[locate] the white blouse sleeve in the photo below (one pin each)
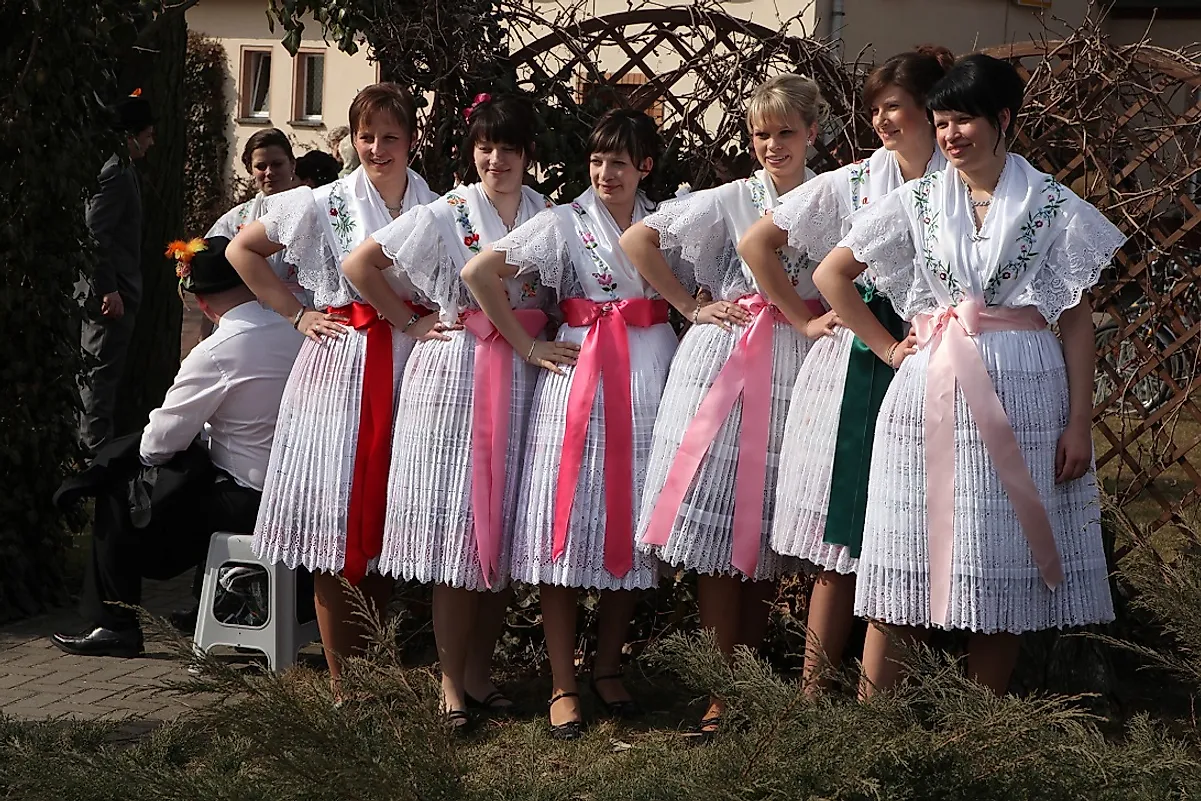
(414, 243)
(695, 228)
(881, 237)
(539, 246)
(814, 215)
(1074, 262)
(292, 219)
(225, 226)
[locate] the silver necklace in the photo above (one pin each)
(499, 216)
(395, 210)
(981, 204)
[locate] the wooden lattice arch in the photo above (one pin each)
(1122, 127)
(693, 69)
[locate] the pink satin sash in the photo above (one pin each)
(954, 358)
(490, 429)
(606, 350)
(747, 373)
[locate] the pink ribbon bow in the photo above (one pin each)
(606, 350)
(747, 373)
(482, 97)
(954, 358)
(490, 429)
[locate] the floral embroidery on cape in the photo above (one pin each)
(602, 273)
(341, 219)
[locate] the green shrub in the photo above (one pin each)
(205, 167)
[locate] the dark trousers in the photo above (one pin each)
(176, 539)
(106, 341)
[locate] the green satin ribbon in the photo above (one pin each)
(867, 381)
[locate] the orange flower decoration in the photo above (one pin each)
(183, 252)
(136, 92)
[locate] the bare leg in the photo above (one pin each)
(882, 654)
(831, 615)
(558, 622)
(719, 598)
(616, 612)
(489, 623)
(991, 659)
(343, 632)
(754, 611)
(454, 619)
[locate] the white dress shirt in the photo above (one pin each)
(231, 383)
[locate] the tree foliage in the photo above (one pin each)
(63, 62)
(207, 108)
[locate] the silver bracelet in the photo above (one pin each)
(530, 355)
(296, 319)
(412, 321)
(696, 313)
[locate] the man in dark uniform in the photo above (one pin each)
(111, 299)
(230, 385)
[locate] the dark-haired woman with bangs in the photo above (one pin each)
(324, 493)
(594, 407)
(462, 410)
(821, 494)
(982, 506)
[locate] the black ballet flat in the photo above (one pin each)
(707, 730)
(572, 729)
(622, 710)
(458, 721)
(495, 704)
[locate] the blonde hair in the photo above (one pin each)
(786, 96)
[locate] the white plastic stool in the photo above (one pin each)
(282, 636)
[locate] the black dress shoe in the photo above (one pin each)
(126, 643)
(184, 620)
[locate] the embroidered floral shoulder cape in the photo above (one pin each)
(705, 227)
(575, 251)
(429, 246)
(1040, 244)
(236, 219)
(817, 214)
(318, 228)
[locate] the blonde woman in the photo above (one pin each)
(707, 502)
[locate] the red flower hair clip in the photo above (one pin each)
(482, 97)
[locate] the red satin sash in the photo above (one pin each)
(373, 448)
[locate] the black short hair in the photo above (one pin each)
(981, 86)
(503, 120)
(268, 137)
(624, 130)
(317, 166)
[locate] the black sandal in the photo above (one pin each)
(572, 729)
(458, 721)
(495, 703)
(622, 710)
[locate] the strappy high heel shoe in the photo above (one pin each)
(572, 729)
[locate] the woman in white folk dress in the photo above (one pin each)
(821, 492)
(707, 503)
(461, 414)
(325, 491)
(588, 442)
(982, 505)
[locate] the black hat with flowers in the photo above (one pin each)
(133, 114)
(201, 266)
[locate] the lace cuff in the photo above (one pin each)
(1074, 263)
(291, 219)
(414, 243)
(881, 238)
(814, 216)
(225, 226)
(539, 246)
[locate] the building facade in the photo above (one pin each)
(307, 95)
